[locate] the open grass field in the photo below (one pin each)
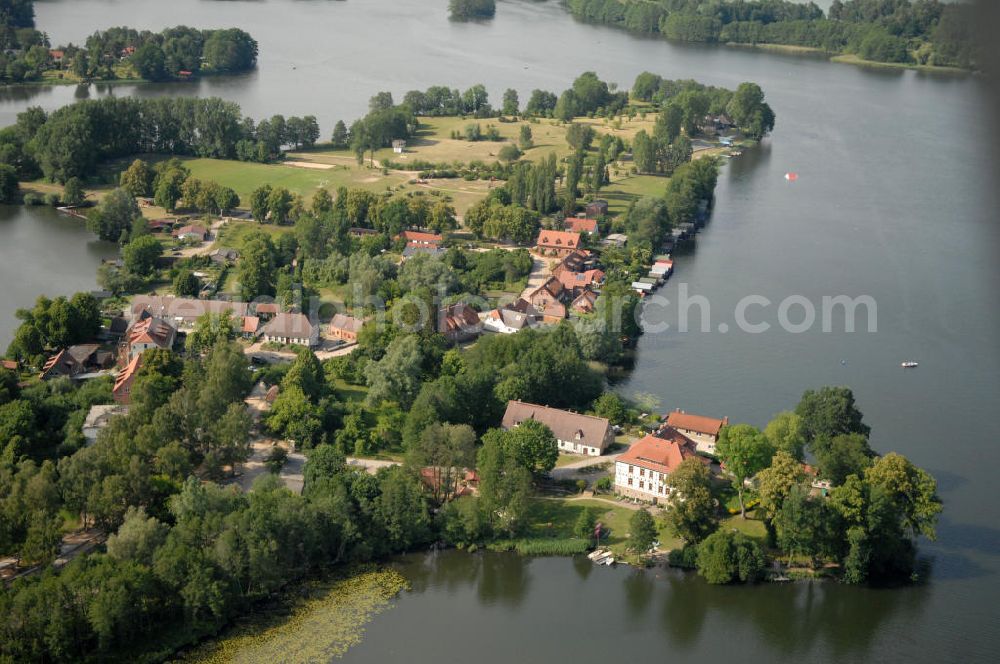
(244, 177)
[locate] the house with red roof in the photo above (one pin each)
(641, 472)
(557, 243)
(584, 302)
(702, 431)
(122, 391)
(149, 332)
(580, 225)
(459, 322)
(419, 238)
(547, 300)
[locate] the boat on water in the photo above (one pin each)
(599, 553)
(909, 364)
(607, 561)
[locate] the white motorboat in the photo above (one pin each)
(909, 364)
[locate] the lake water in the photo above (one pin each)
(894, 200)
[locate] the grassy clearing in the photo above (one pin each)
(233, 233)
(620, 193)
(320, 628)
(348, 392)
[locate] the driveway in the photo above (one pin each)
(539, 275)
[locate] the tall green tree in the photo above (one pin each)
(746, 452)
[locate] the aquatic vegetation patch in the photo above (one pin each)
(324, 626)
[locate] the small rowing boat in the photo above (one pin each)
(908, 364)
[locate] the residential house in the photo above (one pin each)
(224, 256)
(346, 328)
(459, 322)
(265, 311)
(184, 311)
(122, 391)
(584, 302)
(356, 231)
(580, 260)
(580, 225)
(420, 238)
(286, 328)
(577, 281)
(98, 417)
(150, 332)
(507, 321)
(575, 433)
(615, 240)
(596, 208)
(641, 472)
(557, 243)
(191, 232)
(9, 365)
(398, 146)
(702, 431)
(250, 328)
(76, 360)
(547, 300)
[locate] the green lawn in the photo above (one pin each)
(348, 392)
(620, 193)
(232, 234)
(555, 518)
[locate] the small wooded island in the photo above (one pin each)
(467, 10)
(420, 317)
(117, 54)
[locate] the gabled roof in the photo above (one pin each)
(346, 323)
(571, 280)
(126, 375)
(152, 330)
(191, 228)
(709, 426)
(580, 225)
(458, 317)
(515, 320)
(558, 239)
(267, 308)
(250, 324)
(186, 308)
(420, 237)
(586, 429)
(662, 452)
(584, 302)
(553, 286)
(290, 326)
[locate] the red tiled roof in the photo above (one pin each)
(578, 225)
(572, 280)
(9, 364)
(662, 452)
(419, 237)
(250, 324)
(151, 330)
(690, 422)
(125, 378)
(558, 239)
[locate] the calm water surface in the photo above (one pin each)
(894, 200)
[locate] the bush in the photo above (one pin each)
(31, 198)
(686, 558)
(52, 200)
(606, 484)
(730, 556)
